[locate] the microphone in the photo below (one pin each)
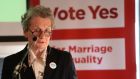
(34, 38)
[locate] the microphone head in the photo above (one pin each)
(34, 38)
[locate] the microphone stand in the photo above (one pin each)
(17, 70)
(20, 65)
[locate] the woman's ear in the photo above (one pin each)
(26, 34)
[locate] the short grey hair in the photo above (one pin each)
(40, 11)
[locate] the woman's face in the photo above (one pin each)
(40, 28)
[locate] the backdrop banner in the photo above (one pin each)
(99, 34)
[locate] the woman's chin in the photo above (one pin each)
(41, 45)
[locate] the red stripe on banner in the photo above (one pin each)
(130, 39)
(105, 74)
(88, 33)
(33, 3)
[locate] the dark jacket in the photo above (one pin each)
(64, 65)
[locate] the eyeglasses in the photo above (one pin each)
(37, 32)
